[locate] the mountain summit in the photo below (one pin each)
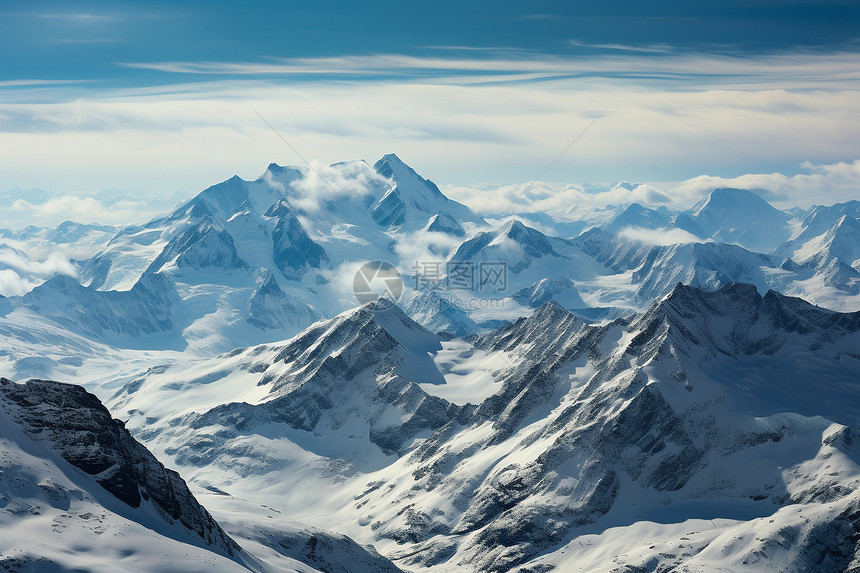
(736, 216)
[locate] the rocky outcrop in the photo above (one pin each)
(75, 424)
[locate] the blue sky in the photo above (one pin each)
(155, 100)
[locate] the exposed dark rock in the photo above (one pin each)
(75, 424)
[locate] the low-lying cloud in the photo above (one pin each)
(13, 284)
(322, 184)
(817, 184)
(19, 273)
(659, 237)
(54, 264)
(561, 201)
(820, 184)
(43, 210)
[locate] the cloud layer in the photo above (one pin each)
(475, 122)
(19, 273)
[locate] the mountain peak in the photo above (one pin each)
(386, 164)
(734, 291)
(725, 200)
(406, 178)
(549, 326)
(533, 241)
(392, 157)
(413, 198)
(389, 317)
(737, 216)
(227, 196)
(731, 195)
(551, 309)
(444, 223)
(515, 226)
(635, 215)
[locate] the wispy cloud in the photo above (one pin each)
(790, 69)
(460, 120)
(61, 208)
(80, 17)
(643, 49)
(35, 83)
(19, 273)
(821, 183)
(659, 237)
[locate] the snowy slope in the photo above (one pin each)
(736, 216)
(80, 494)
(257, 261)
(720, 405)
(32, 255)
(653, 270)
(260, 260)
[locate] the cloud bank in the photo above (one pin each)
(659, 237)
(783, 124)
(19, 273)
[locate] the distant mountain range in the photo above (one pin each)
(628, 389)
(246, 262)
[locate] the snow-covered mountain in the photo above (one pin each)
(736, 216)
(143, 310)
(270, 255)
(80, 494)
(653, 270)
(250, 262)
(355, 380)
(71, 474)
(637, 216)
(525, 256)
(838, 241)
(817, 220)
(630, 389)
(720, 407)
(412, 198)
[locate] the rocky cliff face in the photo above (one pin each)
(74, 423)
